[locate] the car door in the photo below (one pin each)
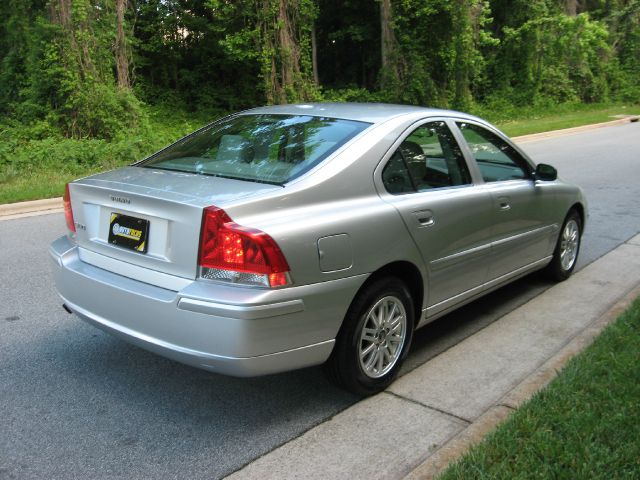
(522, 233)
(427, 179)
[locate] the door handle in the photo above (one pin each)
(425, 218)
(504, 203)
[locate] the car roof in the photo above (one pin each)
(363, 112)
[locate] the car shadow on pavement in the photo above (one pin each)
(89, 392)
(97, 402)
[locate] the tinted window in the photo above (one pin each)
(395, 176)
(262, 148)
(428, 158)
(496, 159)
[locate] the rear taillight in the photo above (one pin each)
(233, 253)
(68, 212)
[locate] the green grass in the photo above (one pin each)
(36, 164)
(584, 425)
(556, 118)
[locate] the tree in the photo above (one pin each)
(69, 64)
(17, 32)
(67, 79)
(285, 38)
(550, 56)
(463, 51)
(121, 48)
(348, 36)
(390, 56)
(571, 7)
(277, 35)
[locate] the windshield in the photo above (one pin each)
(260, 148)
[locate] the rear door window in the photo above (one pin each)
(428, 158)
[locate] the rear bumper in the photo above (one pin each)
(226, 329)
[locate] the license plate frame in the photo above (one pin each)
(128, 232)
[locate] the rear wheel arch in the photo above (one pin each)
(409, 274)
(399, 283)
(374, 338)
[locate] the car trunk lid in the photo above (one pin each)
(149, 219)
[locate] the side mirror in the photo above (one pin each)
(546, 172)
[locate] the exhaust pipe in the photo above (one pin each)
(67, 309)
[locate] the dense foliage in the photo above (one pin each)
(87, 68)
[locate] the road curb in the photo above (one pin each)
(456, 447)
(10, 211)
(570, 131)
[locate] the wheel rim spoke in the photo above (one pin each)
(373, 316)
(369, 335)
(382, 337)
(367, 351)
(380, 362)
(391, 313)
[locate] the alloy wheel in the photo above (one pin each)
(383, 335)
(569, 244)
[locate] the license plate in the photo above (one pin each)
(128, 232)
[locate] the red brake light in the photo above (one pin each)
(68, 212)
(236, 250)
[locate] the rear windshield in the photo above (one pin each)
(260, 148)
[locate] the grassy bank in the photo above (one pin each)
(584, 425)
(562, 116)
(34, 164)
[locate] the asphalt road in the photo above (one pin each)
(76, 403)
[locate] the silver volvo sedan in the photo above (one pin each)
(296, 235)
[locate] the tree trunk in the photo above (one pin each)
(387, 38)
(121, 53)
(279, 23)
(285, 44)
(314, 55)
(571, 7)
(288, 47)
(74, 52)
(463, 48)
(60, 13)
(389, 48)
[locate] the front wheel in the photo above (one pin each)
(374, 338)
(566, 252)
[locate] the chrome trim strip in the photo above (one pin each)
(460, 256)
(135, 272)
(519, 236)
(242, 312)
(455, 301)
(516, 273)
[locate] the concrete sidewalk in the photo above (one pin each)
(432, 414)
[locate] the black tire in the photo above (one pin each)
(346, 365)
(560, 268)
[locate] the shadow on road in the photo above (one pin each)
(94, 406)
